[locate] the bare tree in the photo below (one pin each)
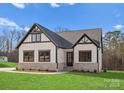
(13, 36)
(3, 44)
(61, 29)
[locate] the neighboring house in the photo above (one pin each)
(3, 57)
(42, 49)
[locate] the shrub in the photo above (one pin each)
(16, 68)
(39, 70)
(87, 71)
(30, 69)
(74, 70)
(82, 71)
(95, 71)
(105, 70)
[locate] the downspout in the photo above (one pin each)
(98, 57)
(56, 58)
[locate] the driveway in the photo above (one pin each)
(6, 69)
(13, 70)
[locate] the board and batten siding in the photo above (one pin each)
(36, 47)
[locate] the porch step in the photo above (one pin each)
(69, 68)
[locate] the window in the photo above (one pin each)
(44, 56)
(33, 37)
(28, 56)
(36, 37)
(84, 56)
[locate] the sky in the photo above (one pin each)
(72, 16)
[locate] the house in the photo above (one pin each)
(3, 57)
(42, 49)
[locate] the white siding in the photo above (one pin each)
(91, 47)
(100, 59)
(38, 46)
(44, 38)
(28, 38)
(60, 55)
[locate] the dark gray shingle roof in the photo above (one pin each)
(67, 39)
(74, 35)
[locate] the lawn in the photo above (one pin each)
(67, 81)
(7, 64)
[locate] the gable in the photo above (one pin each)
(36, 30)
(85, 40)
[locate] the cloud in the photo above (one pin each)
(10, 24)
(54, 5)
(71, 3)
(19, 5)
(7, 22)
(26, 28)
(118, 27)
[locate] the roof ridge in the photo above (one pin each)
(80, 30)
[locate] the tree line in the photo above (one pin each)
(9, 39)
(113, 50)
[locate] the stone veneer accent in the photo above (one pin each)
(53, 66)
(86, 66)
(37, 66)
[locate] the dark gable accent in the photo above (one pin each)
(93, 41)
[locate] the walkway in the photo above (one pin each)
(13, 70)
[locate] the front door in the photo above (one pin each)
(69, 58)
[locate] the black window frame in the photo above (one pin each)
(28, 60)
(36, 37)
(85, 56)
(44, 59)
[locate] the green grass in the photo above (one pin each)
(67, 81)
(7, 64)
